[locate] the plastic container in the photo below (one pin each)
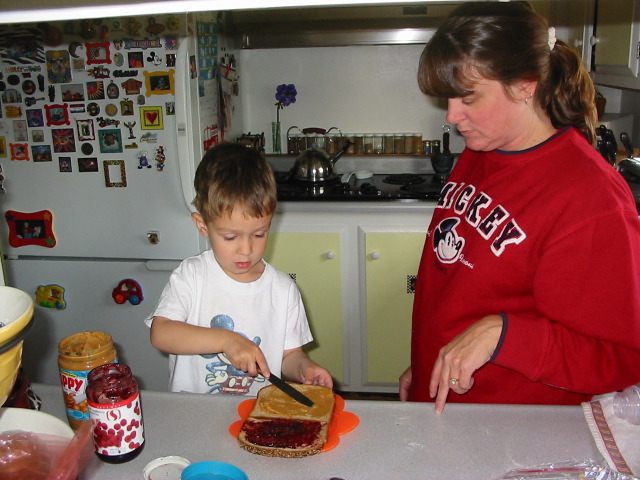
(626, 404)
(78, 354)
(210, 470)
(116, 413)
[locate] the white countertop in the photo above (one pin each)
(394, 440)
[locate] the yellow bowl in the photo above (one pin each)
(16, 311)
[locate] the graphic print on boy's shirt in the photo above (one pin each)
(221, 376)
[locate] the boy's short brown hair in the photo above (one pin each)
(232, 175)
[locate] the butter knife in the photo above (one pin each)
(289, 390)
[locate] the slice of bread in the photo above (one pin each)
(279, 426)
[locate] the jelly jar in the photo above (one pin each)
(115, 412)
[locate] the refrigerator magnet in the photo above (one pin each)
(19, 151)
(33, 228)
(112, 90)
(151, 118)
(51, 296)
(115, 174)
(97, 53)
(57, 114)
(126, 107)
(159, 83)
(127, 289)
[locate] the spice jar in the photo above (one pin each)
(116, 413)
(78, 354)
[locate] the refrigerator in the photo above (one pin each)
(102, 125)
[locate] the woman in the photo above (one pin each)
(529, 284)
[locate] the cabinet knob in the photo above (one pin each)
(330, 255)
(593, 40)
(375, 255)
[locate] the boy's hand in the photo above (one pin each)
(297, 366)
(314, 374)
(246, 356)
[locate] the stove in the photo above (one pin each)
(380, 187)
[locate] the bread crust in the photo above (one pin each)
(279, 419)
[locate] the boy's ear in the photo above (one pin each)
(200, 224)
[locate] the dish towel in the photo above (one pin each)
(616, 438)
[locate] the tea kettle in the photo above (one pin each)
(315, 165)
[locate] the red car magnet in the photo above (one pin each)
(128, 289)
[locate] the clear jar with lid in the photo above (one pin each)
(116, 413)
(293, 140)
(358, 143)
(398, 143)
(417, 144)
(332, 141)
(377, 143)
(387, 143)
(408, 142)
(368, 143)
(78, 354)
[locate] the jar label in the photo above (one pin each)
(117, 427)
(74, 386)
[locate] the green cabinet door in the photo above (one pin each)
(391, 264)
(313, 260)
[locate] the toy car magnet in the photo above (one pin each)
(128, 289)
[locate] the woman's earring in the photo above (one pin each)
(526, 100)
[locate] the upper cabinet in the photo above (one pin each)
(616, 40)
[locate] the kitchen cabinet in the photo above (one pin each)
(312, 259)
(355, 264)
(616, 56)
(391, 263)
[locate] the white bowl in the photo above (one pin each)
(33, 421)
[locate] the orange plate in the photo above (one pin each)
(341, 423)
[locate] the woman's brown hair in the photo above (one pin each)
(509, 42)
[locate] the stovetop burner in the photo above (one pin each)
(404, 179)
(379, 187)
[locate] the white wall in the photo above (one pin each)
(357, 89)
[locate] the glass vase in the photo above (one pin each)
(275, 137)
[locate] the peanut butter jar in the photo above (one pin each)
(78, 354)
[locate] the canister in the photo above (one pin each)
(368, 143)
(358, 143)
(116, 413)
(417, 144)
(387, 143)
(78, 354)
(377, 143)
(398, 143)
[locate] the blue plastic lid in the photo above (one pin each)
(213, 471)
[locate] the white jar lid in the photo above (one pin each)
(165, 468)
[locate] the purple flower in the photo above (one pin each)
(285, 95)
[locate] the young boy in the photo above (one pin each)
(227, 318)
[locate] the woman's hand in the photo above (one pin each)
(460, 358)
(405, 383)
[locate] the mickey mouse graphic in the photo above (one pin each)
(224, 377)
(446, 242)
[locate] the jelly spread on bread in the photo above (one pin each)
(282, 433)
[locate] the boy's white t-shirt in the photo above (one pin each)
(268, 311)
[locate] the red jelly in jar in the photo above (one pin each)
(115, 412)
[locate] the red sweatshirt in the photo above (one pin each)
(550, 238)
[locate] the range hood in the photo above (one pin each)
(336, 26)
